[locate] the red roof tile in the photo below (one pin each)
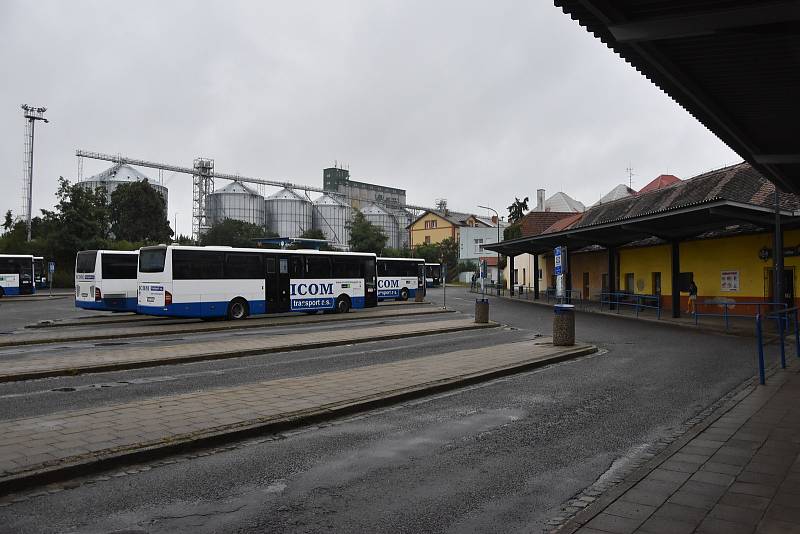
(536, 222)
(662, 180)
(563, 224)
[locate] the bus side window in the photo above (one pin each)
(284, 266)
(271, 265)
(318, 267)
(296, 267)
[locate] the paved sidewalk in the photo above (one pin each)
(28, 366)
(54, 335)
(739, 475)
(36, 445)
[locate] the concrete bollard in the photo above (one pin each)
(481, 310)
(563, 325)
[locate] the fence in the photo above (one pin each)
(637, 301)
(781, 318)
(759, 309)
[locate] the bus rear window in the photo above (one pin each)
(118, 266)
(86, 261)
(152, 260)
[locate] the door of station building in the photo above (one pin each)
(788, 285)
(657, 284)
(585, 286)
(277, 284)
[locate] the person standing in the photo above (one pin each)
(692, 298)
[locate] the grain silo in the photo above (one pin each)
(236, 201)
(332, 215)
(119, 174)
(288, 214)
(386, 221)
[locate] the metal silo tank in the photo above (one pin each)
(236, 201)
(385, 220)
(119, 174)
(332, 216)
(289, 214)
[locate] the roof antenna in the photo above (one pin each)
(629, 170)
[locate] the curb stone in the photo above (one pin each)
(80, 466)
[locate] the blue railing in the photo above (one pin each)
(781, 318)
(634, 300)
(726, 313)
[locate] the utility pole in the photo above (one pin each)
(32, 114)
(511, 275)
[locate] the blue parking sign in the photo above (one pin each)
(51, 266)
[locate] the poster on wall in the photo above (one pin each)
(729, 281)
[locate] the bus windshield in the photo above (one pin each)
(86, 261)
(151, 260)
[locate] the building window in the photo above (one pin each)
(523, 276)
(629, 287)
(427, 240)
(478, 246)
(516, 277)
(430, 225)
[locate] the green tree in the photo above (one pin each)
(234, 233)
(183, 240)
(365, 236)
(390, 252)
(139, 213)
(430, 252)
(9, 221)
(517, 209)
(80, 221)
(449, 254)
(512, 231)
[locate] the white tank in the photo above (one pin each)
(332, 216)
(288, 214)
(387, 221)
(119, 174)
(236, 201)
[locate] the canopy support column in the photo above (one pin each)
(675, 261)
(612, 275)
(511, 280)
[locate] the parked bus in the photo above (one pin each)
(16, 275)
(433, 274)
(106, 280)
(207, 282)
(39, 272)
(400, 278)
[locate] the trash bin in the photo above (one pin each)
(419, 296)
(481, 310)
(563, 325)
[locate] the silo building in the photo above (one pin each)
(118, 174)
(332, 216)
(288, 213)
(236, 201)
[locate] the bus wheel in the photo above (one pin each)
(343, 304)
(404, 294)
(237, 309)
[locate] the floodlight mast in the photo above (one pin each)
(31, 114)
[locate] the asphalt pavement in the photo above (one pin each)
(504, 456)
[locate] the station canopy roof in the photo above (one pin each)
(713, 201)
(733, 64)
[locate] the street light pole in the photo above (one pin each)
(497, 215)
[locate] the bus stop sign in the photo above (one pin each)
(51, 267)
(558, 261)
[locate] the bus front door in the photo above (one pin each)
(277, 284)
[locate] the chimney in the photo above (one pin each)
(494, 220)
(540, 200)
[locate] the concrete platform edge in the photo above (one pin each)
(122, 366)
(285, 422)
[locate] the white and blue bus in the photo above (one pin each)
(433, 274)
(400, 278)
(106, 280)
(16, 275)
(39, 272)
(208, 282)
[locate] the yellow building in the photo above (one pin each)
(715, 229)
(436, 226)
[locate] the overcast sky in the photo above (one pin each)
(476, 102)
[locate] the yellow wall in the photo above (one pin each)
(706, 259)
(596, 264)
(443, 230)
